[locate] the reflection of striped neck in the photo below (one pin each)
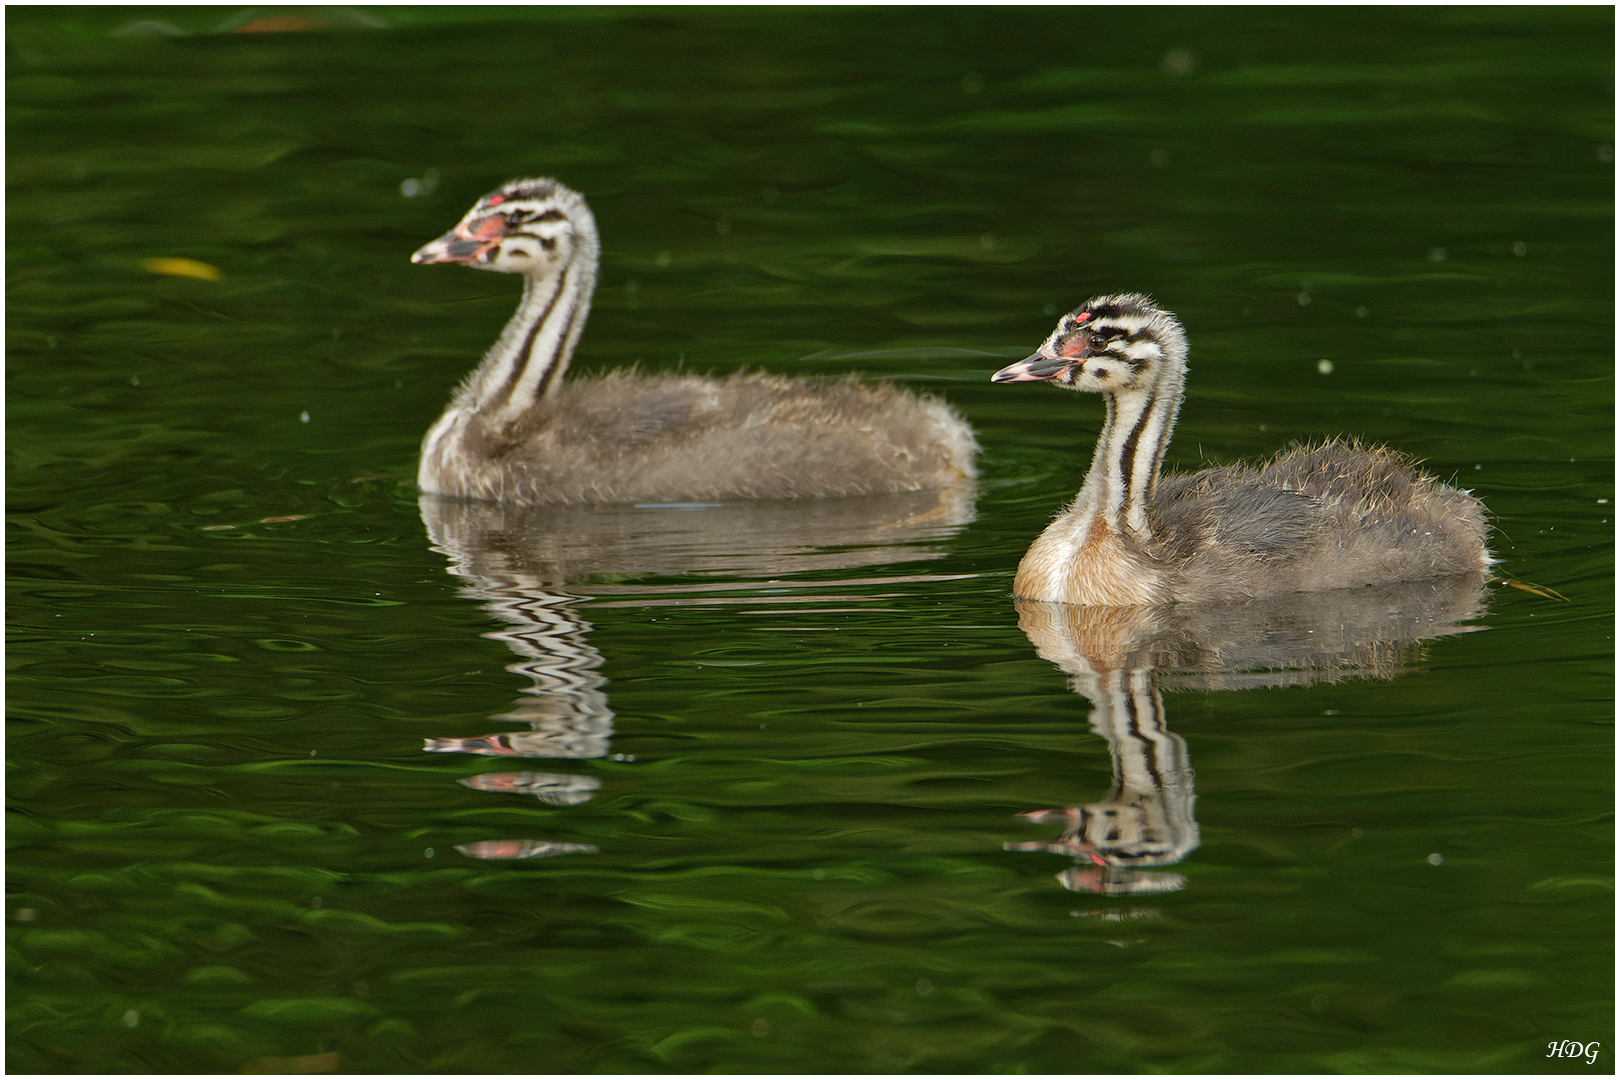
(1148, 818)
(567, 708)
(1125, 467)
(552, 638)
(526, 365)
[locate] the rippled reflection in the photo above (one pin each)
(530, 567)
(1120, 658)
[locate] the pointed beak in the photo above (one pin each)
(1032, 369)
(450, 247)
(465, 243)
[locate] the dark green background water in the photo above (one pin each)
(220, 811)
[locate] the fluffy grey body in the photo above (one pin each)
(516, 431)
(625, 437)
(1329, 516)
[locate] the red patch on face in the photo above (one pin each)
(495, 200)
(490, 228)
(1074, 344)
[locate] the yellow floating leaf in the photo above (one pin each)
(182, 268)
(312, 1063)
(281, 25)
(1539, 590)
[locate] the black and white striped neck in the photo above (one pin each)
(543, 230)
(1125, 466)
(1134, 353)
(527, 362)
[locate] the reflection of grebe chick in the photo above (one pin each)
(1119, 657)
(1330, 516)
(516, 431)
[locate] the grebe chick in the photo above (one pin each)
(515, 431)
(1329, 516)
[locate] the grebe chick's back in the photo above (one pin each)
(516, 431)
(1330, 516)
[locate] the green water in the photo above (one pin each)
(814, 727)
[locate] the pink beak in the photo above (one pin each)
(1035, 368)
(466, 243)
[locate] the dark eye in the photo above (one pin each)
(1098, 341)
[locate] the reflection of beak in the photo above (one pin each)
(465, 243)
(1030, 369)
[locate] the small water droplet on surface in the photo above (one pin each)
(1159, 158)
(924, 987)
(1436, 859)
(303, 417)
(1437, 254)
(1304, 299)
(1362, 313)
(132, 1018)
(427, 853)
(1324, 367)
(1179, 62)
(420, 187)
(722, 226)
(1520, 248)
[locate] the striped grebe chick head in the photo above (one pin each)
(1109, 345)
(535, 227)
